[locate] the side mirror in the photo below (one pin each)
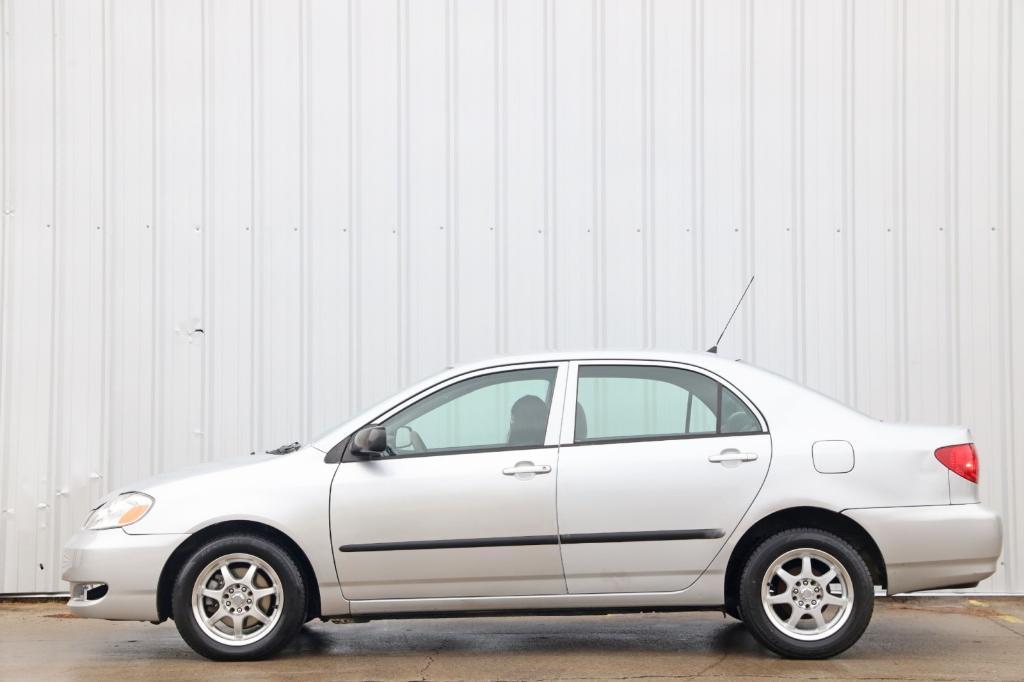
(370, 442)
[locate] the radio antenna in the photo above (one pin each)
(714, 348)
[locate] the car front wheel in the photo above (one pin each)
(806, 593)
(239, 598)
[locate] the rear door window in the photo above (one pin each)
(632, 402)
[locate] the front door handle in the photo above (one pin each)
(526, 469)
(733, 456)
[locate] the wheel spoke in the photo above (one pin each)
(236, 622)
(249, 575)
(833, 600)
(258, 594)
(782, 598)
(795, 617)
(216, 617)
(259, 615)
(785, 575)
(225, 575)
(805, 567)
(819, 619)
(827, 577)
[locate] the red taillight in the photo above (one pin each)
(962, 460)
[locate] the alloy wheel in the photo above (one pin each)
(807, 594)
(237, 599)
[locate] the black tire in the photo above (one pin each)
(774, 637)
(280, 633)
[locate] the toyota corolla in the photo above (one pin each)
(589, 482)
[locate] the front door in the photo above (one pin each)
(659, 468)
(462, 504)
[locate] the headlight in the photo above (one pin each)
(123, 510)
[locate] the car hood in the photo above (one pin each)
(238, 468)
(268, 489)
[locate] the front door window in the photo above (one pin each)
(490, 412)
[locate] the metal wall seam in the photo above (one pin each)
(848, 192)
(6, 239)
(55, 476)
(600, 283)
(550, 105)
(402, 226)
(797, 193)
(1004, 198)
(208, 190)
(697, 174)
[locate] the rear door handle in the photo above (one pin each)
(733, 456)
(526, 468)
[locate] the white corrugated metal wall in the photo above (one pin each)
(227, 224)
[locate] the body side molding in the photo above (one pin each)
(526, 540)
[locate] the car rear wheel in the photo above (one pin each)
(239, 598)
(806, 593)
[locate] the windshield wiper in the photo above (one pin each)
(285, 449)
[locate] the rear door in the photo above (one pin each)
(658, 464)
(463, 503)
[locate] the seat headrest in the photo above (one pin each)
(528, 421)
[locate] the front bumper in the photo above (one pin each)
(934, 547)
(128, 565)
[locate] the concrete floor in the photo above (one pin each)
(909, 639)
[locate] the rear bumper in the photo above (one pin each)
(128, 565)
(934, 547)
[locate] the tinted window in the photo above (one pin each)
(736, 416)
(615, 402)
(493, 411)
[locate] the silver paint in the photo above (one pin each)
(897, 491)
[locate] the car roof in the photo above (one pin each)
(690, 357)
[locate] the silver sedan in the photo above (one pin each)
(586, 482)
